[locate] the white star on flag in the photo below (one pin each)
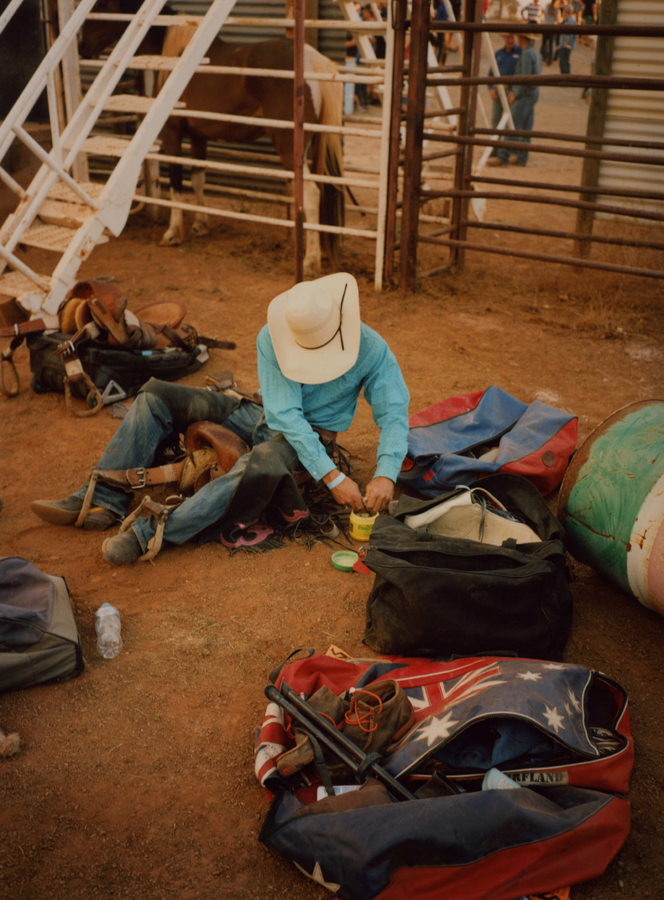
(529, 676)
(553, 666)
(568, 709)
(554, 720)
(437, 728)
(317, 875)
(575, 702)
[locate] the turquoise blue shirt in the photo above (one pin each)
(292, 408)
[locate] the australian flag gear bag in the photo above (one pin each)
(560, 731)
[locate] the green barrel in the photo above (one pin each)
(612, 501)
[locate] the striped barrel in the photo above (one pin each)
(612, 501)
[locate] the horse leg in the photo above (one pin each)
(201, 220)
(312, 256)
(171, 144)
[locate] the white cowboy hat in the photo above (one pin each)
(315, 328)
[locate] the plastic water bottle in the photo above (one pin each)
(107, 626)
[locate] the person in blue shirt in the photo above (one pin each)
(567, 42)
(315, 357)
(523, 98)
(507, 59)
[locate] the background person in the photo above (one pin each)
(507, 59)
(523, 98)
(567, 42)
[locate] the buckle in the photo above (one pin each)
(141, 474)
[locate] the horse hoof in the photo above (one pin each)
(199, 230)
(170, 241)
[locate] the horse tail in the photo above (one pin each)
(327, 150)
(176, 39)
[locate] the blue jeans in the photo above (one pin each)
(147, 424)
(564, 54)
(523, 113)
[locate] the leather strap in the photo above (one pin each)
(30, 326)
(136, 479)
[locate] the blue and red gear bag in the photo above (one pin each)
(561, 731)
(459, 440)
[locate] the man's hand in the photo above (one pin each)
(379, 493)
(346, 493)
(493, 93)
(510, 98)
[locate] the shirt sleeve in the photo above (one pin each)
(525, 66)
(386, 392)
(282, 403)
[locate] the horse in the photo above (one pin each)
(246, 95)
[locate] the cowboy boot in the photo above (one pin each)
(332, 707)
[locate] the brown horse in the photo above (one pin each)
(246, 95)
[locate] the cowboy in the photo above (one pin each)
(315, 356)
(522, 99)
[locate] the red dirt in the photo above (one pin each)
(136, 779)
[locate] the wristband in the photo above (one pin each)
(335, 482)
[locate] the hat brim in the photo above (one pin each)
(324, 363)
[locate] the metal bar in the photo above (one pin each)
(350, 754)
(298, 138)
(384, 163)
(412, 171)
(566, 235)
(572, 189)
(8, 13)
(517, 28)
(39, 151)
(426, 157)
(254, 22)
(271, 123)
(399, 13)
(474, 11)
(250, 217)
(544, 257)
(545, 148)
(441, 113)
(576, 139)
(599, 81)
(11, 183)
(599, 100)
(551, 201)
(16, 263)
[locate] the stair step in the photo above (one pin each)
(161, 63)
(62, 191)
(65, 215)
(104, 145)
(14, 284)
(133, 104)
(51, 237)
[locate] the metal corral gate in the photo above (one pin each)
(622, 176)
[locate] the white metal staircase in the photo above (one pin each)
(56, 211)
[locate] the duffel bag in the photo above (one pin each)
(436, 594)
(464, 438)
(116, 373)
(560, 731)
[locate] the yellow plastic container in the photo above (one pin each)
(361, 525)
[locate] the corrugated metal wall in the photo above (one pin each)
(636, 114)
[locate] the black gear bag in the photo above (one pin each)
(128, 369)
(438, 595)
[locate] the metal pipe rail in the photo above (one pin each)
(551, 201)
(571, 189)
(540, 257)
(250, 217)
(565, 235)
(574, 138)
(626, 82)
(253, 21)
(166, 63)
(545, 148)
(530, 28)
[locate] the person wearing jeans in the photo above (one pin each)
(523, 98)
(315, 358)
(567, 43)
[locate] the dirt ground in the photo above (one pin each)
(136, 779)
